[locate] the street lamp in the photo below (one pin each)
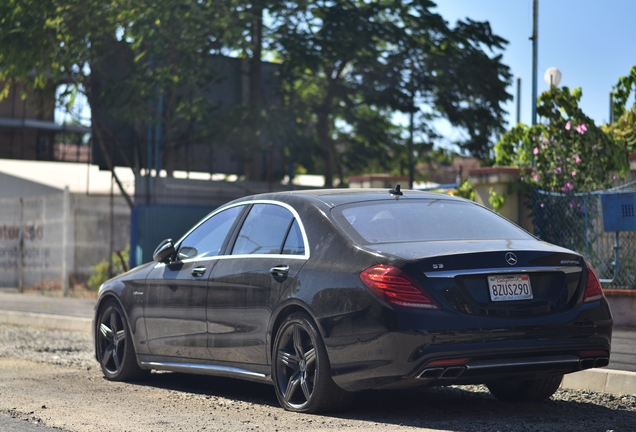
(552, 77)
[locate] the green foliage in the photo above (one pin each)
(496, 201)
(346, 67)
(568, 152)
(387, 56)
(624, 127)
(120, 261)
(465, 190)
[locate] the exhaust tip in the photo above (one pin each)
(601, 362)
(453, 372)
(587, 363)
(431, 373)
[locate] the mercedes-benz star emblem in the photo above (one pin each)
(511, 258)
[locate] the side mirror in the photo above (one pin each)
(164, 251)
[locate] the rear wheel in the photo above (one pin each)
(115, 350)
(301, 370)
(525, 390)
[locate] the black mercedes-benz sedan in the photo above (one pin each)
(327, 292)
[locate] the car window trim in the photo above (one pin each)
(228, 245)
(178, 243)
(236, 229)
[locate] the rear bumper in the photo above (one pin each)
(476, 370)
(444, 356)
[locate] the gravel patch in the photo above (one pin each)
(64, 348)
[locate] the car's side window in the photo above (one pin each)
(263, 231)
(294, 244)
(207, 239)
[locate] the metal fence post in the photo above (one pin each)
(21, 248)
(65, 233)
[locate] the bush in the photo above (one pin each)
(120, 265)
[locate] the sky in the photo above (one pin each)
(592, 43)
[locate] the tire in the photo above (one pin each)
(114, 346)
(525, 391)
(301, 370)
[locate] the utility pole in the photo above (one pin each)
(535, 55)
(518, 100)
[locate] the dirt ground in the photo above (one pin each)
(50, 377)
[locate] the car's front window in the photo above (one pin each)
(423, 220)
(207, 239)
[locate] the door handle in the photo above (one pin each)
(198, 271)
(279, 271)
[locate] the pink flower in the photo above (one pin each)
(558, 171)
(567, 187)
(567, 125)
(542, 205)
(536, 150)
(536, 177)
(573, 173)
(578, 160)
(581, 129)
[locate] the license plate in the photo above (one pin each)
(510, 287)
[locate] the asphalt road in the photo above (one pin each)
(19, 425)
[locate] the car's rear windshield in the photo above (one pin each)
(409, 220)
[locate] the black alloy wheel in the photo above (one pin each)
(533, 390)
(115, 350)
(301, 370)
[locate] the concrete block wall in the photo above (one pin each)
(58, 238)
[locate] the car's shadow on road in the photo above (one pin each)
(444, 408)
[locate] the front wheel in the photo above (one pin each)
(533, 390)
(301, 370)
(115, 350)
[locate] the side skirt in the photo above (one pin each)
(209, 369)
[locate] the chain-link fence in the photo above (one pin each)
(575, 221)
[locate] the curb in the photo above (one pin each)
(598, 380)
(55, 322)
(602, 380)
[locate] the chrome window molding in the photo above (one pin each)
(222, 208)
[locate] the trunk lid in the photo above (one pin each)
(459, 272)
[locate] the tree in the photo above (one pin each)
(347, 67)
(567, 153)
(142, 61)
(385, 55)
(624, 125)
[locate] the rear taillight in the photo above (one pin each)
(397, 288)
(593, 289)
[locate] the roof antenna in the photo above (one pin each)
(397, 193)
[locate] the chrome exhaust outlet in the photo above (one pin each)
(453, 372)
(601, 361)
(587, 363)
(431, 373)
